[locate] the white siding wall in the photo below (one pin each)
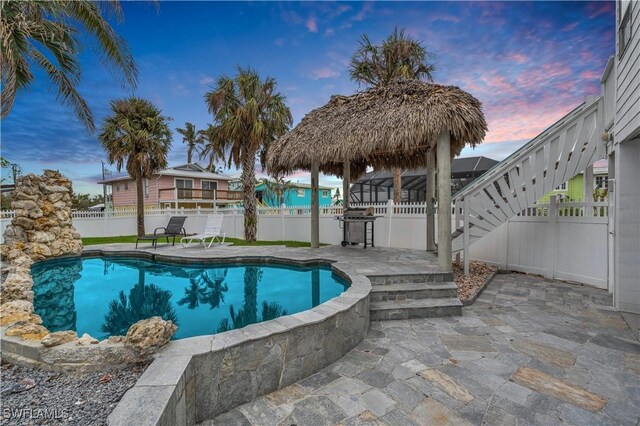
(627, 227)
(628, 80)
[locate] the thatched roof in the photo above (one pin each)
(392, 126)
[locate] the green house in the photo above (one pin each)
(573, 189)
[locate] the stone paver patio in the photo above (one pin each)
(529, 351)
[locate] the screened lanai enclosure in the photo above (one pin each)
(377, 186)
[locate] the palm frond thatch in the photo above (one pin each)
(387, 126)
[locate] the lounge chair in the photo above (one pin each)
(174, 228)
(212, 231)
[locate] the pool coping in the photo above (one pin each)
(166, 393)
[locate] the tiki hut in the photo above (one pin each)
(400, 125)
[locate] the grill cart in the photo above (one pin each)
(358, 226)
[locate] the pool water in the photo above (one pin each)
(105, 296)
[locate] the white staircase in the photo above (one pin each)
(553, 157)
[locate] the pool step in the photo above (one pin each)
(403, 291)
(415, 308)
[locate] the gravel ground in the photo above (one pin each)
(478, 273)
(34, 397)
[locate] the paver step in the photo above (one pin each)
(432, 277)
(415, 308)
(420, 290)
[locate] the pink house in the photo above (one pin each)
(186, 185)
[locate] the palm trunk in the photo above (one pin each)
(140, 204)
(189, 154)
(397, 186)
(249, 189)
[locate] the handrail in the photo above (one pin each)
(527, 148)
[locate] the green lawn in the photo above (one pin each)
(236, 242)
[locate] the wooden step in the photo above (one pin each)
(415, 308)
(403, 291)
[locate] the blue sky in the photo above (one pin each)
(528, 62)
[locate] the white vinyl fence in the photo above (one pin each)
(558, 240)
(565, 241)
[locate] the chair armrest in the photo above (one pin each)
(184, 232)
(156, 230)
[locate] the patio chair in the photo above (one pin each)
(174, 228)
(212, 231)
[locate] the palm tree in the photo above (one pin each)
(46, 34)
(191, 137)
(249, 114)
(136, 133)
(398, 57)
(214, 147)
(276, 189)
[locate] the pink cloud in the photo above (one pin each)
(312, 25)
(519, 58)
(570, 27)
(590, 74)
(324, 72)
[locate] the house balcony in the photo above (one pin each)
(195, 195)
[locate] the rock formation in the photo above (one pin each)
(148, 335)
(42, 225)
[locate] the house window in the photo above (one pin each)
(562, 187)
(325, 193)
(624, 29)
(300, 192)
(147, 185)
(209, 189)
(602, 182)
(126, 186)
(184, 189)
(117, 187)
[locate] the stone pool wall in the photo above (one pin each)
(196, 379)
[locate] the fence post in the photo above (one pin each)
(466, 236)
(457, 217)
(282, 207)
(389, 219)
(553, 238)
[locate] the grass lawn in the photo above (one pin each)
(236, 242)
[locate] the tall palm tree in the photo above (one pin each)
(398, 57)
(249, 114)
(138, 135)
(192, 137)
(214, 147)
(46, 34)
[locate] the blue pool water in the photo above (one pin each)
(105, 296)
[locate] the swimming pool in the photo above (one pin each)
(104, 296)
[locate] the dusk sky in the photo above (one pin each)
(529, 63)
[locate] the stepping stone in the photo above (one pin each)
(559, 389)
(287, 395)
(545, 353)
(632, 363)
(315, 410)
(467, 343)
(447, 384)
(431, 413)
(366, 418)
(611, 342)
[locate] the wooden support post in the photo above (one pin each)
(466, 237)
(456, 221)
(346, 183)
(587, 182)
(444, 202)
(315, 207)
(431, 196)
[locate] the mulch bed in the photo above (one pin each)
(36, 397)
(478, 274)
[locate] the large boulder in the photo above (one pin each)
(148, 335)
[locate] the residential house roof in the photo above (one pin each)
(192, 170)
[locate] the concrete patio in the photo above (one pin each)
(529, 351)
